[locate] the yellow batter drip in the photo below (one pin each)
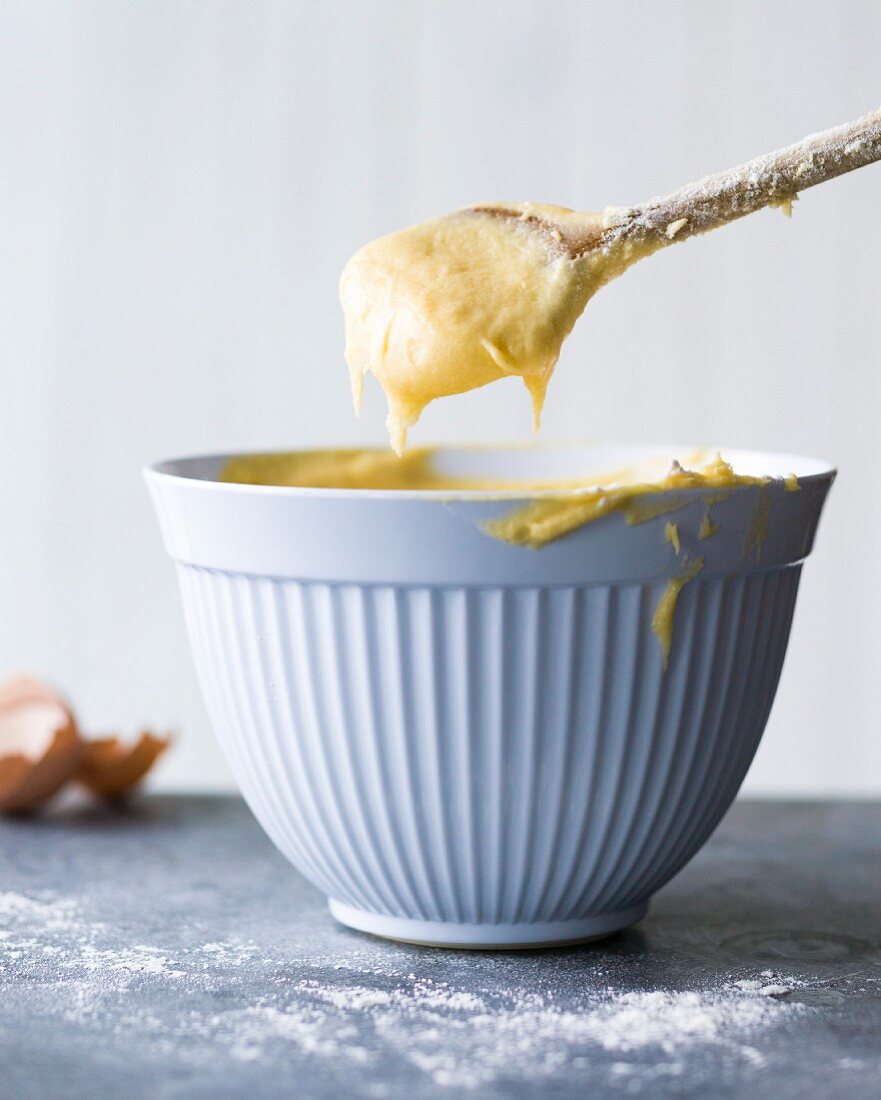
(665, 612)
(707, 528)
(461, 301)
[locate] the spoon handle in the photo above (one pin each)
(771, 180)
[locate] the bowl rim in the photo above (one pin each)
(164, 471)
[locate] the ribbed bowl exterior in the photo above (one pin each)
(487, 755)
(466, 742)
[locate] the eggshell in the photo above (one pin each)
(110, 768)
(25, 689)
(39, 747)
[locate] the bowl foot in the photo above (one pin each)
(487, 937)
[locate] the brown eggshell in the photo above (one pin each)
(26, 689)
(39, 750)
(111, 768)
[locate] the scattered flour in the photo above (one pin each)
(84, 971)
(767, 989)
(49, 914)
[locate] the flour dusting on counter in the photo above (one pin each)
(173, 953)
(86, 971)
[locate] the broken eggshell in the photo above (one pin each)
(27, 689)
(110, 767)
(40, 748)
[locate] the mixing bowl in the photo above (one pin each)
(470, 743)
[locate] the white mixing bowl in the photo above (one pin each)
(465, 742)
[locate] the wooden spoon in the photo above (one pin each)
(774, 179)
(492, 291)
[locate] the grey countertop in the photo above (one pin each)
(168, 950)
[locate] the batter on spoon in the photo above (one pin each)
(464, 300)
(493, 291)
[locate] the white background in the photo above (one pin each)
(181, 182)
